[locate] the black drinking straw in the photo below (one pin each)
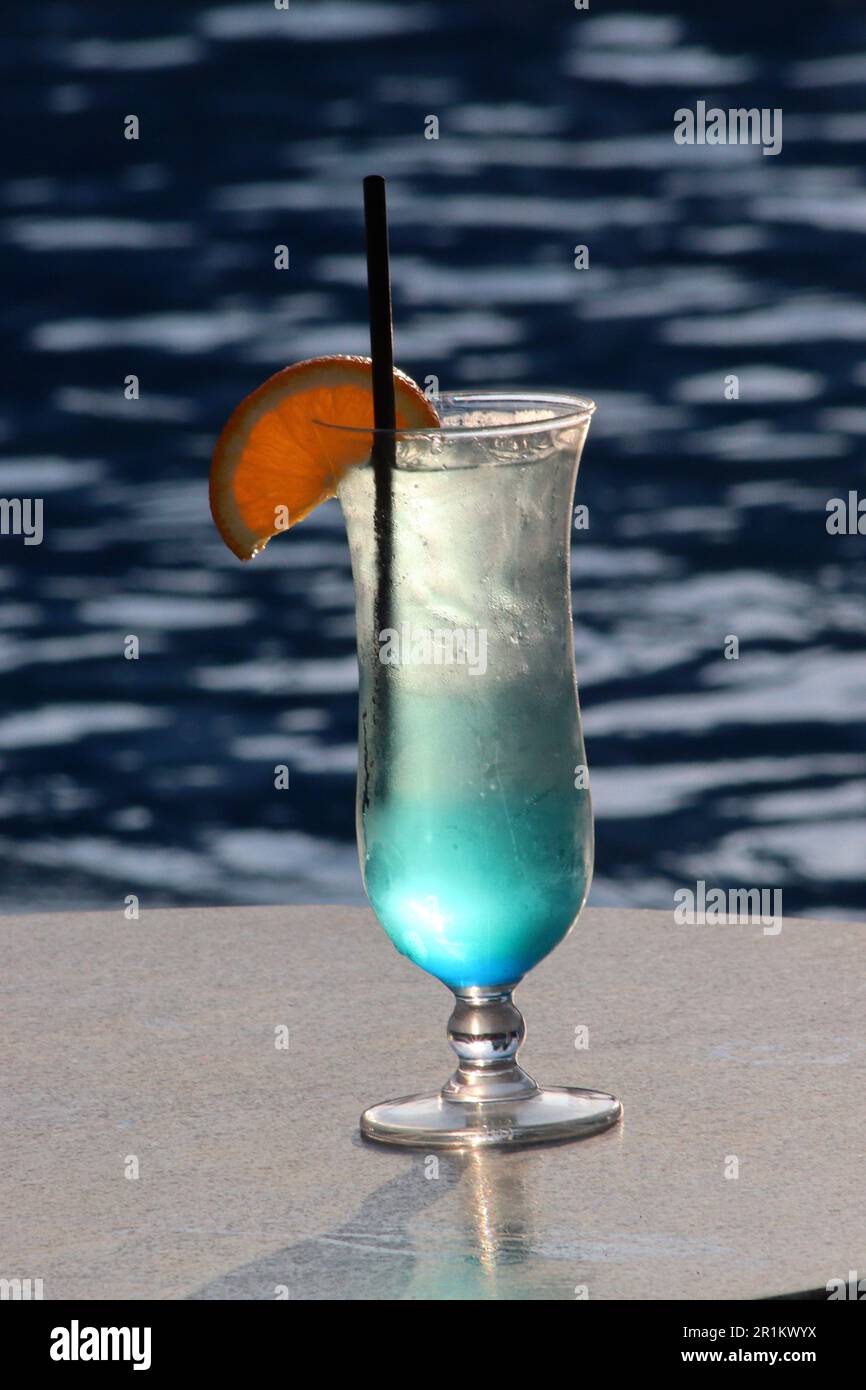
(384, 410)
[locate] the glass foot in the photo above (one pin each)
(490, 1100)
(432, 1122)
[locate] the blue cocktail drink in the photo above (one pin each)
(474, 818)
(478, 886)
(474, 821)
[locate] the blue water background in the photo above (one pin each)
(707, 517)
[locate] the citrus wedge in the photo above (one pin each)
(273, 463)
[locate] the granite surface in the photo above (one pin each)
(159, 1141)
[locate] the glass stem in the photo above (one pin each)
(485, 1030)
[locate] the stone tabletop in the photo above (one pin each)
(159, 1141)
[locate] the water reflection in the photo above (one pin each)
(484, 1246)
(451, 1227)
(707, 512)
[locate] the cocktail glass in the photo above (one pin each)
(474, 819)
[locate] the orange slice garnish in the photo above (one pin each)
(274, 463)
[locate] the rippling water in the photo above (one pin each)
(155, 258)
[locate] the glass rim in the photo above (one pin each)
(567, 412)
